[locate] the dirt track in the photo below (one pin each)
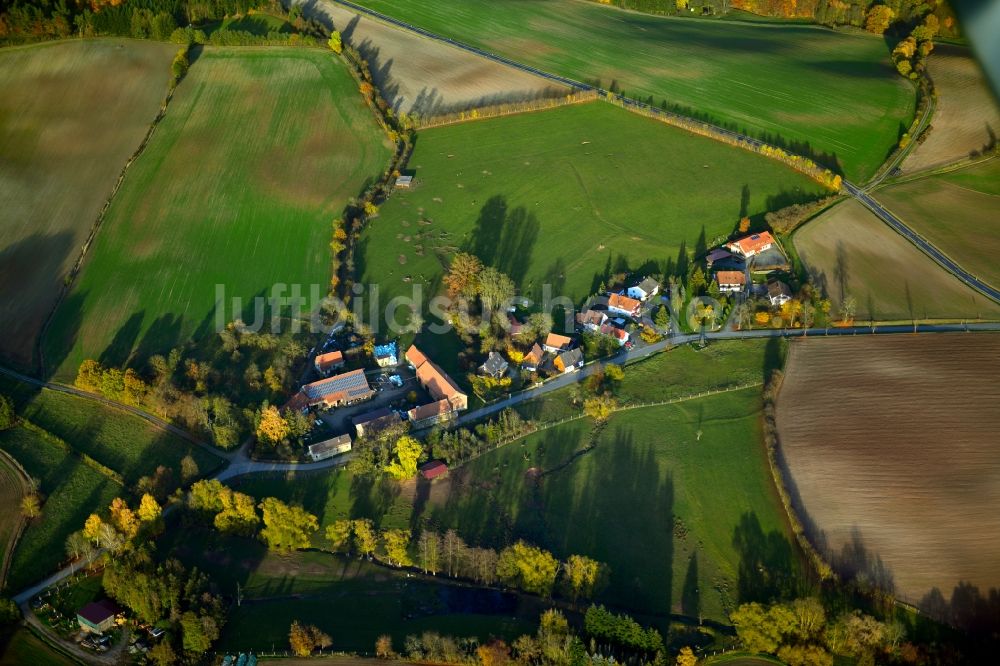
(967, 118)
(897, 439)
(420, 75)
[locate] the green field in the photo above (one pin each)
(72, 490)
(802, 83)
(71, 114)
(959, 212)
(353, 601)
(125, 443)
(259, 151)
(20, 646)
(12, 489)
(564, 197)
(678, 373)
(660, 499)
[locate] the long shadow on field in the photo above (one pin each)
(504, 238)
(119, 350)
(767, 570)
(372, 498)
(690, 593)
(856, 562)
(975, 612)
(617, 493)
(62, 333)
(161, 336)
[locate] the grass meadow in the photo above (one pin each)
(71, 114)
(847, 251)
(836, 91)
(959, 212)
(564, 197)
(72, 490)
(127, 444)
(19, 646)
(258, 153)
(682, 484)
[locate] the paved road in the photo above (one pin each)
(887, 170)
(918, 240)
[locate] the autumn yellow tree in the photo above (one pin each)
(149, 508)
(92, 527)
(878, 19)
(123, 518)
(272, 427)
(88, 377)
(407, 451)
(336, 42)
(286, 527)
(686, 657)
(365, 536)
(371, 210)
(397, 543)
(31, 506)
(600, 407)
(744, 224)
(306, 638)
(581, 576)
(463, 275)
(383, 647)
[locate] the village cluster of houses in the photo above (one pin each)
(341, 389)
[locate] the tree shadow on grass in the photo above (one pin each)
(119, 350)
(504, 238)
(767, 570)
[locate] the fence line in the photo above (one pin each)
(504, 441)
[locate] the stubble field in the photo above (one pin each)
(850, 252)
(959, 212)
(967, 117)
(802, 83)
(71, 114)
(259, 151)
(894, 439)
(426, 77)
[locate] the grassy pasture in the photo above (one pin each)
(803, 83)
(70, 116)
(260, 150)
(563, 196)
(12, 489)
(72, 490)
(125, 443)
(920, 491)
(849, 251)
(679, 483)
(19, 646)
(959, 212)
(967, 116)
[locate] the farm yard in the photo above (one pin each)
(967, 117)
(71, 115)
(956, 211)
(563, 196)
(920, 490)
(847, 251)
(259, 152)
(422, 76)
(836, 91)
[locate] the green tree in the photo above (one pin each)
(528, 568)
(286, 527)
(198, 632)
(495, 289)
(8, 418)
(339, 535)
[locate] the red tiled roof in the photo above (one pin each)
(558, 341)
(415, 357)
(329, 359)
(433, 469)
(752, 244)
(435, 380)
(430, 409)
(535, 355)
(731, 277)
(625, 303)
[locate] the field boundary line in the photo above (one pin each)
(799, 163)
(27, 485)
(958, 165)
(498, 110)
(84, 250)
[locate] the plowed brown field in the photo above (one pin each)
(893, 443)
